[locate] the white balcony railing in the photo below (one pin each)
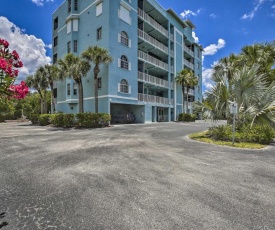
(190, 104)
(153, 80)
(188, 50)
(172, 37)
(188, 64)
(155, 99)
(150, 59)
(190, 91)
(152, 41)
(152, 22)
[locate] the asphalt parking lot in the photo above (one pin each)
(131, 177)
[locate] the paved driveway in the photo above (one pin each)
(131, 177)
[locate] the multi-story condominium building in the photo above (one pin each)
(149, 46)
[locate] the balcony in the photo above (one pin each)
(154, 61)
(153, 80)
(189, 64)
(190, 91)
(190, 104)
(152, 22)
(152, 41)
(155, 99)
(188, 50)
(172, 37)
(172, 53)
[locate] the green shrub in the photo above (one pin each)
(262, 134)
(34, 119)
(92, 120)
(62, 120)
(187, 117)
(44, 119)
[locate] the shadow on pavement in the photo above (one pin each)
(3, 224)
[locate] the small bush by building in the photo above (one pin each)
(262, 134)
(187, 117)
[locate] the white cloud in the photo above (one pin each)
(195, 37)
(213, 16)
(31, 50)
(49, 46)
(187, 13)
(213, 48)
(206, 78)
(252, 13)
(41, 2)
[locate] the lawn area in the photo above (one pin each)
(202, 136)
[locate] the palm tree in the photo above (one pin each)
(186, 78)
(51, 73)
(38, 82)
(97, 56)
(74, 67)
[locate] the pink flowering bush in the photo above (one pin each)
(9, 64)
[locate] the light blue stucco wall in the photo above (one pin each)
(111, 74)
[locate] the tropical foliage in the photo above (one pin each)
(75, 67)
(248, 79)
(97, 56)
(187, 79)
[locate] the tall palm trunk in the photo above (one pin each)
(41, 102)
(96, 71)
(52, 97)
(183, 107)
(187, 88)
(45, 102)
(80, 90)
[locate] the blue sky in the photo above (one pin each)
(222, 27)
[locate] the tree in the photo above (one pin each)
(97, 56)
(51, 74)
(186, 78)
(9, 64)
(74, 67)
(39, 82)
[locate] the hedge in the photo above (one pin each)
(92, 120)
(44, 119)
(89, 120)
(262, 134)
(187, 117)
(35, 119)
(62, 120)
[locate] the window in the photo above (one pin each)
(75, 25)
(124, 38)
(99, 33)
(75, 88)
(198, 53)
(55, 93)
(68, 89)
(99, 83)
(124, 62)
(75, 4)
(69, 27)
(69, 47)
(124, 88)
(99, 9)
(124, 14)
(75, 45)
(55, 41)
(69, 6)
(55, 23)
(54, 58)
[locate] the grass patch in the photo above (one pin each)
(202, 136)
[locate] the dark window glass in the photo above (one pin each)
(69, 89)
(75, 45)
(54, 58)
(69, 47)
(69, 6)
(124, 62)
(55, 41)
(99, 33)
(55, 23)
